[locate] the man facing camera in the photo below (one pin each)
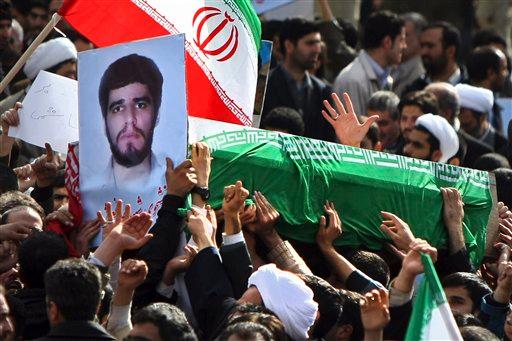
(130, 95)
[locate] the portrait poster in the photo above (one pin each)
(132, 116)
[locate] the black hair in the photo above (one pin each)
(385, 101)
(352, 314)
(14, 199)
(270, 28)
(60, 179)
(330, 304)
(5, 10)
(425, 100)
(503, 185)
(8, 179)
(284, 119)
(247, 308)
(269, 321)
(294, 29)
(477, 333)
(432, 140)
(349, 31)
(481, 60)
(246, 331)
(74, 286)
(487, 37)
(56, 67)
(38, 4)
(490, 162)
(451, 34)
(170, 321)
(464, 320)
(127, 70)
(371, 264)
(476, 286)
(380, 25)
(38, 253)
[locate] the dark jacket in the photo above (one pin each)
(31, 318)
(77, 330)
(278, 94)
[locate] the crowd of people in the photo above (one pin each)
(227, 273)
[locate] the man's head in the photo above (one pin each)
(265, 318)
(432, 139)
(300, 43)
(464, 292)
(286, 295)
(475, 105)
(56, 56)
(412, 106)
(487, 67)
(60, 193)
(385, 104)
(385, 30)
(414, 25)
(245, 331)
(491, 161)
(284, 119)
(6, 324)
(477, 333)
(38, 253)
(37, 16)
(439, 47)
(130, 95)
(447, 99)
(503, 185)
(372, 265)
(73, 291)
(19, 207)
(5, 23)
(160, 322)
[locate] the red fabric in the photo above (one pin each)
(107, 23)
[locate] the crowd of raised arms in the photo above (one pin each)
(396, 83)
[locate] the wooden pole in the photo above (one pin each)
(23, 59)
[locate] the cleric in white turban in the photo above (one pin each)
(288, 297)
(57, 56)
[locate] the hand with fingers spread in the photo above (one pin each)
(398, 230)
(503, 211)
(87, 231)
(248, 215)
(45, 167)
(266, 216)
(327, 233)
(15, 231)
(345, 122)
(178, 264)
(113, 218)
(201, 161)
(505, 228)
(375, 313)
(180, 180)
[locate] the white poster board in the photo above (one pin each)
(49, 113)
(133, 114)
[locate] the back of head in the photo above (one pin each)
(38, 253)
(285, 120)
(5, 10)
(128, 70)
(491, 161)
(416, 19)
(269, 321)
(481, 60)
(451, 34)
(294, 29)
(476, 333)
(8, 179)
(330, 304)
(380, 25)
(14, 199)
(426, 101)
(447, 98)
(385, 101)
(487, 37)
(504, 185)
(170, 321)
(245, 331)
(74, 287)
(372, 265)
(475, 285)
(464, 320)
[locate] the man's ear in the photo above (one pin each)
(455, 161)
(387, 43)
(436, 156)
(344, 332)
(450, 51)
(289, 46)
(53, 312)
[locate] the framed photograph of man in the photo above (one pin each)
(132, 116)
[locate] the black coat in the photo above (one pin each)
(77, 330)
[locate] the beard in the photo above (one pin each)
(132, 156)
(435, 66)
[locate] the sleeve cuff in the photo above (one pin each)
(233, 238)
(165, 290)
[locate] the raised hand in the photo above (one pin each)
(504, 281)
(62, 215)
(10, 118)
(345, 123)
(180, 180)
(45, 167)
(266, 216)
(179, 264)
(113, 219)
(327, 233)
(375, 310)
(412, 263)
(201, 161)
(85, 234)
(133, 272)
(248, 215)
(200, 227)
(234, 199)
(15, 231)
(398, 230)
(453, 215)
(133, 233)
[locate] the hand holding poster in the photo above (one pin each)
(49, 113)
(132, 116)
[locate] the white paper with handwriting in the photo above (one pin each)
(49, 113)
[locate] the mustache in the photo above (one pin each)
(125, 129)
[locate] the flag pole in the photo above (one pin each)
(23, 59)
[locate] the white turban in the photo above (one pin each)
(474, 98)
(288, 297)
(444, 132)
(49, 54)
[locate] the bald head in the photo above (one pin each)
(447, 99)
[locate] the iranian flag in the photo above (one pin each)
(222, 42)
(431, 317)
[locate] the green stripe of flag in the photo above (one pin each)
(250, 15)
